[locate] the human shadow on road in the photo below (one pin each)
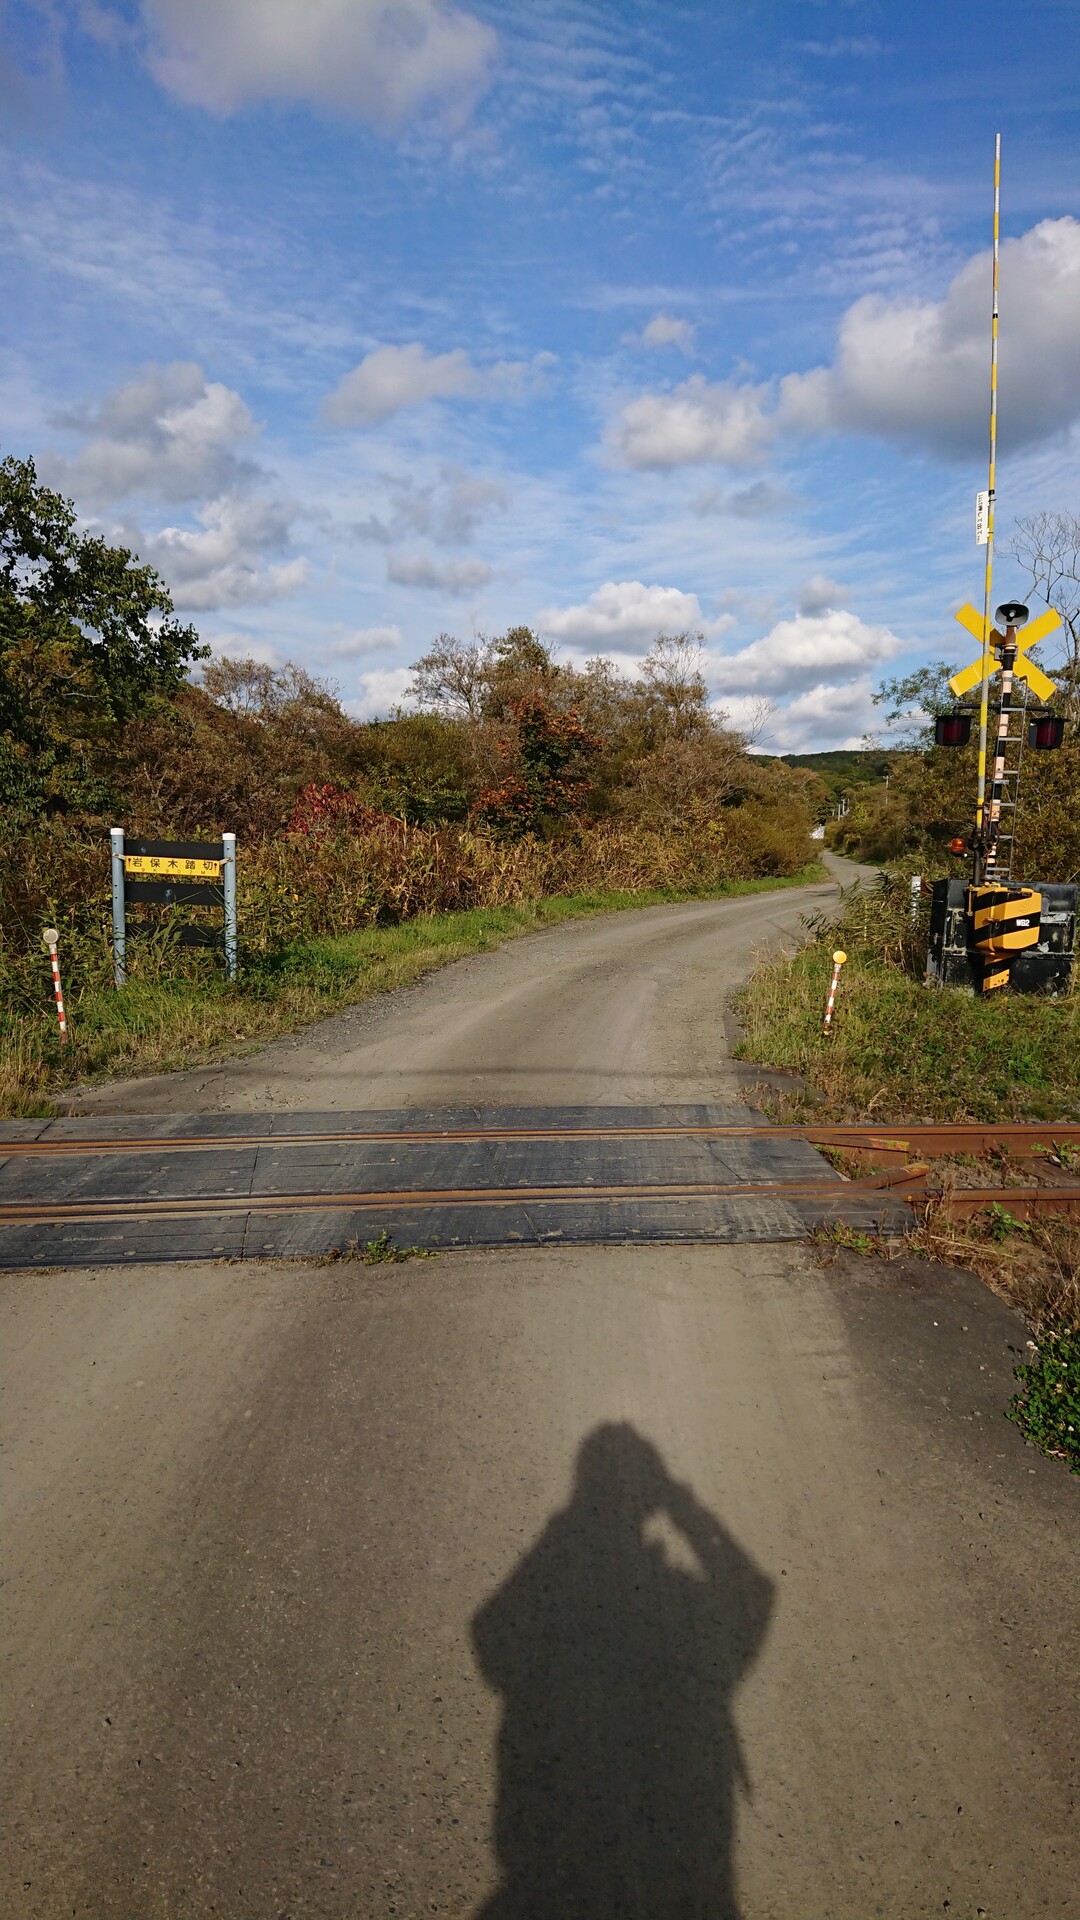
(618, 1755)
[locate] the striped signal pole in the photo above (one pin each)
(984, 700)
(839, 958)
(50, 937)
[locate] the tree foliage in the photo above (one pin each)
(88, 641)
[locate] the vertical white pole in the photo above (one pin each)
(228, 876)
(119, 921)
(988, 576)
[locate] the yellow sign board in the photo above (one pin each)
(1041, 686)
(165, 866)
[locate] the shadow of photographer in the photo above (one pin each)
(617, 1645)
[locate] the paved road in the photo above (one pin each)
(626, 1009)
(584, 1584)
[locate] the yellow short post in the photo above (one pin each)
(839, 958)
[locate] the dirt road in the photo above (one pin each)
(631, 1582)
(580, 1583)
(625, 1009)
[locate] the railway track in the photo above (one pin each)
(270, 1185)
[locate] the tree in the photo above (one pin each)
(916, 699)
(88, 642)
(1047, 546)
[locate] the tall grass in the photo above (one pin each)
(900, 1050)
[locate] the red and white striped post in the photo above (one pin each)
(50, 937)
(838, 960)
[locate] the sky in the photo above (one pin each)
(368, 320)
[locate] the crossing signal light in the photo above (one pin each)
(1046, 731)
(958, 845)
(953, 729)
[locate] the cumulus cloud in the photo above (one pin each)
(914, 371)
(629, 614)
(447, 511)
(917, 369)
(363, 640)
(224, 562)
(390, 379)
(800, 652)
(380, 690)
(664, 330)
(170, 434)
(378, 60)
(456, 577)
(820, 595)
(701, 420)
(823, 717)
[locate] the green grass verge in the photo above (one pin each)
(902, 1051)
(160, 1025)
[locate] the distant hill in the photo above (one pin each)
(844, 768)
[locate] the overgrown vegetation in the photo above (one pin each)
(898, 1050)
(1047, 1406)
(516, 779)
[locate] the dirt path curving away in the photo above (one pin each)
(624, 1009)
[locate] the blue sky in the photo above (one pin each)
(370, 319)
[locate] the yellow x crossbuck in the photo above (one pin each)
(1025, 669)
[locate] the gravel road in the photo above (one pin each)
(624, 1009)
(594, 1583)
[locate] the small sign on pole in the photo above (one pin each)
(175, 873)
(982, 519)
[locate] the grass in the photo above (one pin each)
(902, 1051)
(164, 1022)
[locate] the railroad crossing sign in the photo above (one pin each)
(1025, 669)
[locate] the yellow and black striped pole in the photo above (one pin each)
(984, 699)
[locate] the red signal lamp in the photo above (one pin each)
(957, 846)
(1046, 731)
(952, 729)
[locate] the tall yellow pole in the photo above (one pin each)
(984, 702)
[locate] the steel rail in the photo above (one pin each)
(909, 1185)
(23, 1212)
(927, 1136)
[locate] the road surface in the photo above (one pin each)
(624, 1009)
(607, 1583)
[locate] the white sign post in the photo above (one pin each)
(982, 519)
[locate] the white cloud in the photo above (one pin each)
(918, 370)
(380, 60)
(664, 330)
(821, 595)
(170, 433)
(365, 640)
(223, 562)
(456, 577)
(629, 613)
(911, 370)
(381, 689)
(701, 420)
(447, 510)
(244, 646)
(391, 378)
(797, 653)
(824, 717)
(754, 502)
